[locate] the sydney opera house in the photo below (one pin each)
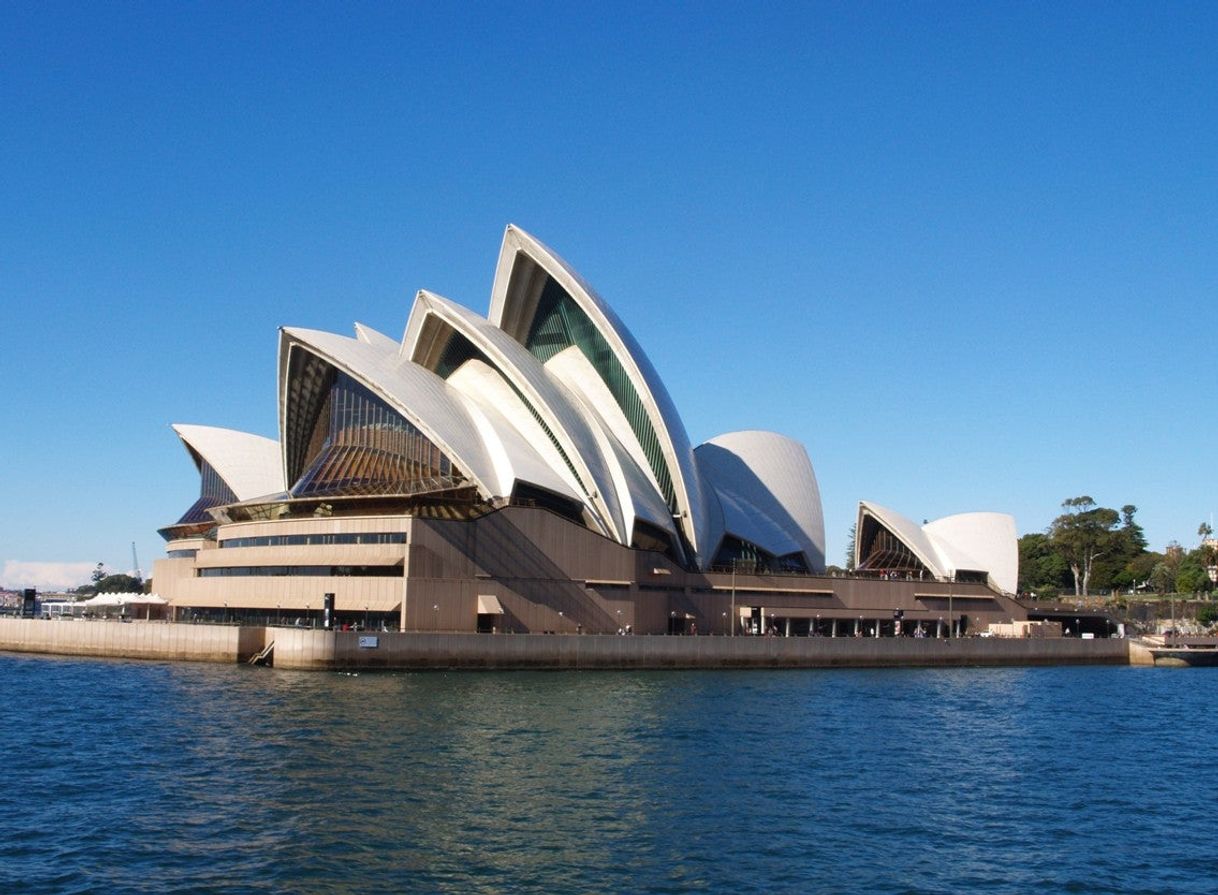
(527, 471)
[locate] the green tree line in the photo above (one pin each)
(105, 583)
(1089, 549)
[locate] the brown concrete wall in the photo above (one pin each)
(536, 564)
(131, 640)
(309, 649)
(548, 574)
(303, 648)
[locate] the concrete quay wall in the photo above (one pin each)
(310, 649)
(319, 650)
(131, 640)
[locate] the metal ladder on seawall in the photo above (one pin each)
(265, 657)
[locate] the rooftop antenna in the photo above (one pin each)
(135, 563)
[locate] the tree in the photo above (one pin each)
(1208, 614)
(1138, 570)
(1163, 577)
(1137, 538)
(120, 584)
(99, 573)
(1082, 535)
(1042, 570)
(1127, 544)
(1192, 578)
(1193, 575)
(1208, 550)
(850, 547)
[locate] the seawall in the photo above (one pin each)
(131, 640)
(308, 649)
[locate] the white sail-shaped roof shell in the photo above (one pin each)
(767, 491)
(512, 311)
(974, 542)
(544, 394)
(515, 440)
(249, 464)
(478, 440)
(982, 542)
(906, 530)
(373, 337)
(638, 494)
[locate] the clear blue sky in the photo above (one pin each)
(965, 252)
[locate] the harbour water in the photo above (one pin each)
(128, 777)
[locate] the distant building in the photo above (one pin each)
(528, 471)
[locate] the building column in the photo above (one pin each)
(833, 630)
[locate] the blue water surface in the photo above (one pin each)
(125, 777)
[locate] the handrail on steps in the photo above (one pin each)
(265, 656)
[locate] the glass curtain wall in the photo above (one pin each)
(560, 323)
(882, 551)
(368, 448)
(213, 492)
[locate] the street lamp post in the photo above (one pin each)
(950, 629)
(733, 618)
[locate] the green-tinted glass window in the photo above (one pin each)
(559, 324)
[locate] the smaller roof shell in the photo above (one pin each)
(417, 394)
(983, 542)
(767, 491)
(249, 464)
(975, 542)
(475, 435)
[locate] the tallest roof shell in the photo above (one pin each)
(525, 265)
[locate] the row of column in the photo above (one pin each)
(855, 627)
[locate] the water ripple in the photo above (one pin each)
(154, 778)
